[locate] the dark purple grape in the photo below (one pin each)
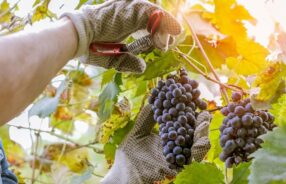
(159, 120)
(223, 156)
(188, 87)
(181, 113)
(270, 118)
(257, 121)
(171, 129)
(177, 93)
(224, 111)
(183, 98)
(231, 115)
(237, 159)
(194, 84)
(173, 111)
(223, 140)
(229, 162)
(188, 109)
(171, 145)
(177, 150)
(162, 95)
(191, 118)
(203, 105)
(185, 79)
(180, 106)
(182, 131)
(236, 96)
(191, 131)
(228, 131)
(182, 119)
(154, 92)
(166, 150)
(240, 142)
(151, 100)
(249, 108)
(160, 84)
(192, 105)
(263, 115)
(187, 152)
(258, 141)
(158, 112)
(242, 132)
(180, 140)
(164, 130)
(164, 137)
(165, 89)
(246, 120)
(166, 117)
(170, 158)
(231, 107)
(180, 160)
(166, 104)
(235, 122)
(229, 146)
(239, 110)
(172, 135)
(169, 124)
(196, 94)
(169, 95)
(177, 125)
(250, 147)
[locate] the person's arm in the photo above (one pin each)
(28, 62)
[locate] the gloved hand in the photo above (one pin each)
(114, 21)
(140, 160)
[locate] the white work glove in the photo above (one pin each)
(140, 160)
(113, 21)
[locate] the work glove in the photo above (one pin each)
(140, 160)
(112, 22)
(6, 176)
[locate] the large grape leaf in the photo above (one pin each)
(269, 162)
(200, 173)
(241, 173)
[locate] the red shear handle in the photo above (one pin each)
(154, 21)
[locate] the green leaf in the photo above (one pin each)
(109, 151)
(142, 88)
(213, 154)
(67, 126)
(121, 133)
(106, 101)
(46, 106)
(107, 77)
(279, 110)
(200, 173)
(160, 66)
(269, 162)
(241, 173)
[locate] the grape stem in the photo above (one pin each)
(231, 87)
(198, 43)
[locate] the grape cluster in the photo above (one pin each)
(174, 102)
(241, 129)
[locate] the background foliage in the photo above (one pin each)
(107, 102)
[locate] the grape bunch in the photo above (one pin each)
(241, 129)
(174, 102)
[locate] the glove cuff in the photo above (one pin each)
(84, 31)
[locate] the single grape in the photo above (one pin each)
(182, 119)
(165, 89)
(172, 135)
(166, 151)
(170, 158)
(184, 79)
(169, 95)
(250, 147)
(169, 124)
(235, 122)
(239, 110)
(246, 120)
(229, 146)
(257, 121)
(182, 131)
(192, 105)
(180, 140)
(224, 111)
(191, 131)
(171, 129)
(250, 140)
(158, 112)
(258, 141)
(164, 137)
(196, 94)
(231, 115)
(231, 107)
(164, 130)
(191, 118)
(154, 92)
(223, 156)
(188, 87)
(151, 99)
(166, 104)
(183, 98)
(177, 125)
(181, 113)
(223, 140)
(166, 117)
(236, 96)
(171, 144)
(180, 160)
(188, 109)
(187, 152)
(203, 105)
(229, 162)
(263, 115)
(158, 104)
(162, 95)
(180, 106)
(270, 118)
(194, 84)
(173, 111)
(174, 101)
(228, 131)
(159, 120)
(177, 93)
(177, 150)
(240, 142)
(249, 108)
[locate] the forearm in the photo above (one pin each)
(29, 60)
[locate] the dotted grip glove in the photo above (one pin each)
(112, 22)
(140, 160)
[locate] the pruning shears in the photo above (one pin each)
(142, 45)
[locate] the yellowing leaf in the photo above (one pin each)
(252, 58)
(62, 119)
(119, 119)
(80, 77)
(269, 81)
(76, 160)
(41, 11)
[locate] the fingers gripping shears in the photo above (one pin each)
(142, 45)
